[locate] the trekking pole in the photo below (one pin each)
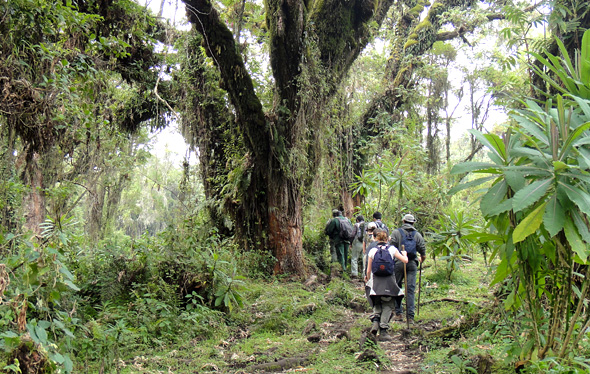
(419, 288)
(406, 291)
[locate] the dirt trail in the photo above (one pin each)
(403, 351)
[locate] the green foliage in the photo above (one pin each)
(537, 205)
(38, 289)
(452, 239)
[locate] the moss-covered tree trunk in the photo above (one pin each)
(268, 207)
(34, 201)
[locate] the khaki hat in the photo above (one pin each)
(371, 226)
(409, 218)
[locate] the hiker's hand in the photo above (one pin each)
(422, 258)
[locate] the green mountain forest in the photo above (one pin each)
(123, 251)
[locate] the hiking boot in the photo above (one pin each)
(384, 336)
(375, 327)
(411, 322)
(398, 317)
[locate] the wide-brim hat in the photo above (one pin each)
(409, 218)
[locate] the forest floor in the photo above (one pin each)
(322, 326)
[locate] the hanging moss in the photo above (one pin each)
(410, 43)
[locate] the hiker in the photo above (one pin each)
(381, 287)
(333, 256)
(356, 247)
(340, 244)
(416, 251)
(368, 239)
(380, 225)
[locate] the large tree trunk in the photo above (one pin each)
(268, 212)
(34, 201)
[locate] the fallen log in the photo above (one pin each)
(446, 299)
(279, 365)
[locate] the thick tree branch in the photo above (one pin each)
(343, 30)
(417, 40)
(286, 21)
(219, 43)
(463, 29)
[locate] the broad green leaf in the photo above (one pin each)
(502, 271)
(577, 176)
(483, 237)
(66, 272)
(582, 141)
(531, 128)
(41, 334)
(32, 333)
(68, 364)
(504, 206)
(532, 153)
(495, 195)
(559, 165)
(57, 357)
(584, 158)
(579, 197)
(492, 142)
(583, 103)
(515, 179)
(530, 194)
(554, 216)
(549, 251)
(71, 285)
(470, 184)
(530, 224)
(574, 240)
(581, 225)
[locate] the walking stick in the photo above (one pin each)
(406, 291)
(419, 288)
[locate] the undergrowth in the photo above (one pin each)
(161, 304)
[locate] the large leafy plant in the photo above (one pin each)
(538, 204)
(452, 241)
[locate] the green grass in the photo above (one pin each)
(270, 327)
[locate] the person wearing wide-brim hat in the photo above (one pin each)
(405, 235)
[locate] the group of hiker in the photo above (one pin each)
(389, 264)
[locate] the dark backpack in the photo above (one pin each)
(381, 226)
(360, 232)
(346, 230)
(409, 243)
(382, 262)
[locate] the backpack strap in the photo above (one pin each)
(403, 233)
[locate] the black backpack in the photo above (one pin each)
(408, 242)
(360, 231)
(346, 230)
(382, 262)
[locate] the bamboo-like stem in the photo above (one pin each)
(584, 328)
(576, 316)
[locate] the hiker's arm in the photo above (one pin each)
(368, 275)
(401, 256)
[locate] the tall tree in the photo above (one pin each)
(312, 46)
